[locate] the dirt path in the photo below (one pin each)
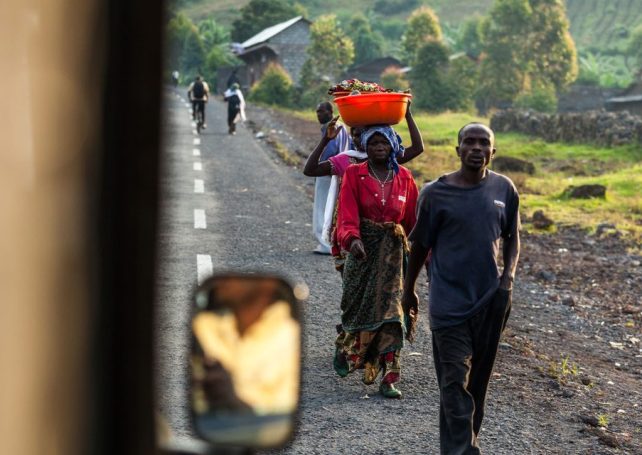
(569, 374)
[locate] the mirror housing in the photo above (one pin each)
(245, 360)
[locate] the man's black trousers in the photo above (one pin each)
(464, 355)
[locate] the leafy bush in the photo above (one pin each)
(541, 99)
(275, 87)
(429, 78)
(393, 78)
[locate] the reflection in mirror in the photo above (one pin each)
(245, 360)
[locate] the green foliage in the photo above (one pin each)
(563, 370)
(463, 77)
(393, 78)
(275, 87)
(260, 14)
(604, 70)
(423, 26)
(368, 44)
(428, 77)
(635, 46)
(212, 33)
(186, 50)
(526, 43)
(603, 420)
(541, 98)
(219, 56)
(330, 53)
(469, 39)
(197, 48)
(388, 7)
(551, 50)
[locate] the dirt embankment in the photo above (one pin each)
(573, 349)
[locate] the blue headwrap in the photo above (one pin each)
(393, 139)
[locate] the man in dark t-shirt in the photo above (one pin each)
(461, 218)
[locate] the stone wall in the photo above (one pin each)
(594, 127)
(290, 46)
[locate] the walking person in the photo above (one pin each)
(336, 165)
(461, 218)
(377, 203)
(339, 143)
(175, 76)
(235, 106)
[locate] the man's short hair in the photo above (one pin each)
(325, 105)
(460, 134)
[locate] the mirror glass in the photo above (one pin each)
(245, 361)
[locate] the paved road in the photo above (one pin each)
(254, 214)
(257, 216)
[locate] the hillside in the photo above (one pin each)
(596, 25)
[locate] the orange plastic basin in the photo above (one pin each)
(373, 108)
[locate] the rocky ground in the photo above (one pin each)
(571, 357)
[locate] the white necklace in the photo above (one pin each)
(382, 184)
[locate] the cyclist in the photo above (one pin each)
(175, 76)
(198, 92)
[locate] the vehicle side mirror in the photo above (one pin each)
(245, 361)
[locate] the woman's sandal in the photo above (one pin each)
(389, 391)
(340, 364)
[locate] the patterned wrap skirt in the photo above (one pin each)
(373, 323)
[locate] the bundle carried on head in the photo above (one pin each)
(351, 85)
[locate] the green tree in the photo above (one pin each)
(212, 33)
(429, 78)
(470, 37)
(186, 48)
(423, 26)
(551, 52)
(330, 53)
(275, 87)
(541, 98)
(393, 78)
(462, 77)
(635, 47)
(218, 56)
(368, 44)
(526, 44)
(260, 14)
(216, 43)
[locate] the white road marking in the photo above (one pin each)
(197, 141)
(194, 124)
(198, 166)
(195, 133)
(199, 186)
(196, 152)
(200, 221)
(203, 267)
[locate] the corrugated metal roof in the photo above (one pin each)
(269, 32)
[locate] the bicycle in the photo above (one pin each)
(199, 115)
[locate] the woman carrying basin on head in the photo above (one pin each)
(337, 165)
(376, 211)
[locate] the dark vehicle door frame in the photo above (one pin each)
(126, 230)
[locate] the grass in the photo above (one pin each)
(563, 370)
(557, 165)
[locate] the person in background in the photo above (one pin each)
(336, 166)
(329, 148)
(235, 107)
(461, 219)
(175, 76)
(233, 78)
(198, 93)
